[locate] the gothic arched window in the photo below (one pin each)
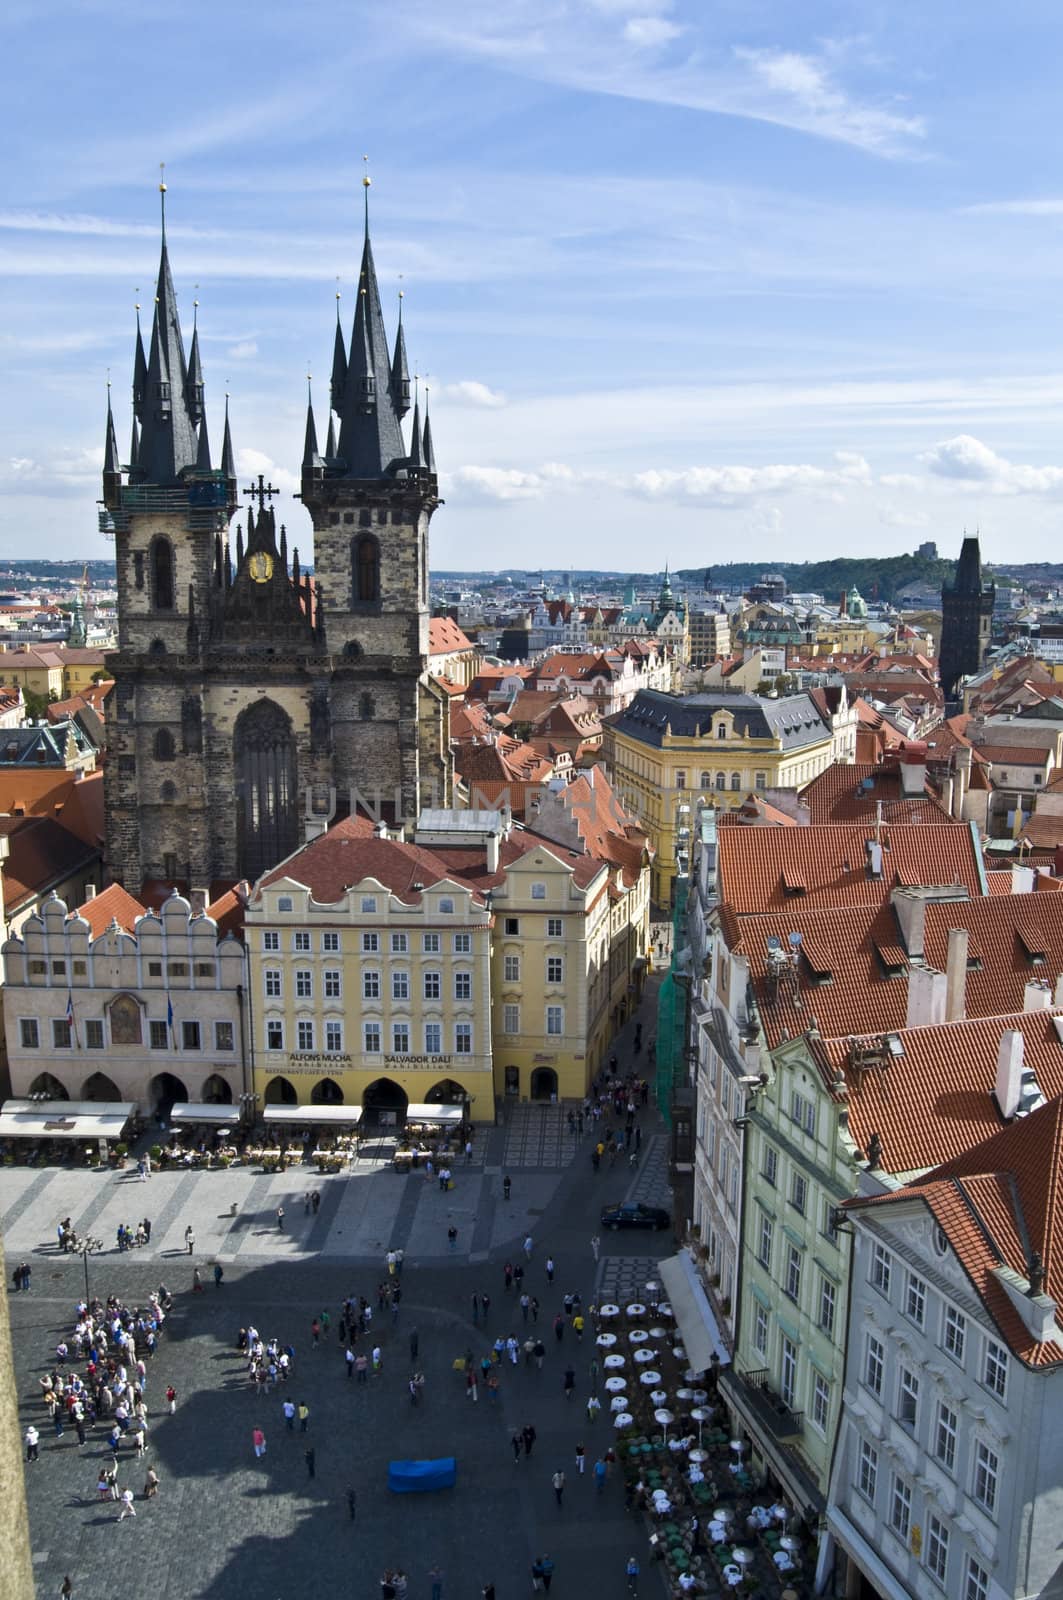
(168, 793)
(365, 564)
(366, 708)
(162, 586)
(164, 748)
(266, 788)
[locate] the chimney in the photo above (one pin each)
(380, 830)
(1022, 879)
(956, 976)
(198, 900)
(1058, 998)
(926, 997)
(913, 770)
(1036, 995)
(1009, 1073)
(493, 844)
(911, 914)
(963, 780)
(90, 894)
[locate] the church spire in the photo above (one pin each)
(370, 433)
(194, 382)
(140, 373)
(203, 446)
(168, 441)
(426, 438)
(112, 467)
(400, 372)
(227, 463)
(311, 458)
(416, 452)
(339, 363)
(330, 442)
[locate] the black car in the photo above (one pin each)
(634, 1215)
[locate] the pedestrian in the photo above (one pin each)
(304, 1416)
(570, 1383)
(475, 1307)
(517, 1441)
(540, 1352)
(452, 1237)
(66, 1588)
(258, 1439)
(535, 1307)
(436, 1577)
(171, 1398)
(26, 1270)
(487, 1592)
(32, 1444)
(352, 1501)
(546, 1567)
(315, 1200)
(468, 1152)
(151, 1484)
(558, 1481)
(378, 1361)
(559, 1327)
(349, 1359)
(190, 1239)
(581, 1459)
(594, 1405)
(537, 1574)
(599, 1475)
(361, 1367)
(549, 1269)
(485, 1306)
(280, 1217)
(415, 1344)
(126, 1507)
(507, 1276)
(219, 1273)
(527, 1246)
(525, 1302)
(471, 1390)
(315, 1332)
(197, 1281)
(308, 1457)
(596, 1245)
(289, 1415)
(529, 1435)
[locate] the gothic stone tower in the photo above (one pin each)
(237, 715)
(967, 616)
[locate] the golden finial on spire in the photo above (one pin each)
(162, 177)
(366, 179)
(162, 196)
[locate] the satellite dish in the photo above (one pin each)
(794, 940)
(774, 943)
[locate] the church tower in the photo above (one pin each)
(244, 715)
(967, 617)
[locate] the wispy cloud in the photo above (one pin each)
(967, 460)
(470, 393)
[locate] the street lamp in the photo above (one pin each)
(247, 1103)
(88, 1247)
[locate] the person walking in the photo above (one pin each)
(361, 1367)
(549, 1269)
(352, 1502)
(197, 1281)
(596, 1245)
(33, 1439)
(190, 1239)
(219, 1273)
(558, 1481)
(529, 1435)
(581, 1459)
(289, 1415)
(633, 1575)
(527, 1246)
(66, 1589)
(258, 1439)
(349, 1360)
(309, 1457)
(435, 1577)
(171, 1398)
(452, 1237)
(594, 1405)
(570, 1382)
(517, 1442)
(151, 1484)
(546, 1568)
(304, 1416)
(280, 1218)
(126, 1508)
(600, 1475)
(525, 1302)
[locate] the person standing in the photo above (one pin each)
(517, 1442)
(258, 1439)
(581, 1459)
(171, 1398)
(349, 1359)
(558, 1481)
(570, 1382)
(529, 1435)
(32, 1444)
(352, 1501)
(190, 1239)
(309, 1457)
(527, 1246)
(549, 1269)
(599, 1475)
(289, 1415)
(594, 1405)
(546, 1568)
(66, 1589)
(452, 1237)
(126, 1508)
(219, 1273)
(280, 1218)
(436, 1578)
(596, 1245)
(304, 1416)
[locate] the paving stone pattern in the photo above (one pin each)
(538, 1136)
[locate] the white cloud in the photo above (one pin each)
(806, 83)
(65, 472)
(728, 484)
(496, 483)
(967, 460)
(893, 516)
(646, 33)
(249, 463)
(470, 393)
(244, 351)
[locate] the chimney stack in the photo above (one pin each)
(927, 990)
(1036, 995)
(913, 770)
(956, 976)
(1022, 879)
(1009, 1073)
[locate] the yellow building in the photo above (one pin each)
(370, 978)
(664, 752)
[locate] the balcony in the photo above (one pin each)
(769, 1407)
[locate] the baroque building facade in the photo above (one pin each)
(252, 701)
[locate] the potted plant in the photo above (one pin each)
(155, 1152)
(225, 1161)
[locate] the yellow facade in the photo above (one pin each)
(371, 1001)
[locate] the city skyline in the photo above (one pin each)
(749, 277)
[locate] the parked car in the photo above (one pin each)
(635, 1215)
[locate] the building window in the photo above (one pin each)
(371, 1038)
(767, 1232)
(190, 1037)
(680, 779)
(463, 985)
(555, 1020)
(274, 983)
(995, 1368)
(158, 1036)
(368, 905)
(432, 986)
(58, 969)
(365, 564)
(788, 1373)
(555, 969)
(511, 969)
(433, 1038)
(463, 944)
(510, 1019)
(330, 943)
(874, 1366)
(94, 1034)
(164, 749)
(986, 1476)
(304, 983)
(828, 1303)
(538, 891)
(555, 928)
(721, 730)
(430, 944)
(224, 1036)
(271, 941)
(760, 1331)
(771, 1164)
(955, 1333)
(446, 906)
(867, 1471)
(900, 1509)
(463, 1039)
(760, 780)
(830, 1221)
(29, 1033)
(333, 983)
(945, 1436)
(908, 1399)
(721, 781)
(399, 944)
(736, 780)
(793, 1273)
(976, 1582)
(370, 944)
(285, 903)
(881, 1269)
(304, 1036)
(400, 985)
(705, 781)
(400, 1038)
(937, 1548)
(60, 1033)
(915, 1299)
(370, 985)
(39, 969)
(204, 969)
(820, 1403)
(511, 927)
(301, 943)
(803, 1112)
(798, 1192)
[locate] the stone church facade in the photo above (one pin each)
(254, 703)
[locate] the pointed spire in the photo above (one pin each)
(416, 457)
(227, 464)
(295, 567)
(240, 543)
(203, 447)
(284, 547)
(400, 372)
(339, 364)
(134, 446)
(370, 430)
(217, 561)
(168, 441)
(111, 464)
(426, 438)
(140, 372)
(330, 443)
(194, 383)
(310, 453)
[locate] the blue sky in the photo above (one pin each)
(689, 280)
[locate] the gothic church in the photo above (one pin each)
(253, 702)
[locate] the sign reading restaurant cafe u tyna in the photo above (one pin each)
(320, 1062)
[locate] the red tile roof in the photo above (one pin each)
(755, 811)
(112, 904)
(1015, 755)
(41, 854)
(763, 869)
(445, 637)
(847, 792)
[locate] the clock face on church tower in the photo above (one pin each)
(260, 566)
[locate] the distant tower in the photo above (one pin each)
(967, 614)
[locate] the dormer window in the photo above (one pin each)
(721, 730)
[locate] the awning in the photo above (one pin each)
(446, 1114)
(693, 1313)
(308, 1114)
(865, 1556)
(64, 1119)
(201, 1111)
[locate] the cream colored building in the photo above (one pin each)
(115, 1003)
(370, 977)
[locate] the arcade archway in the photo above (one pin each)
(46, 1084)
(100, 1087)
(279, 1092)
(447, 1092)
(385, 1102)
(326, 1092)
(216, 1092)
(165, 1089)
(544, 1084)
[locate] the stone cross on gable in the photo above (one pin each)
(262, 492)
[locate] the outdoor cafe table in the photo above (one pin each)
(606, 1340)
(648, 1379)
(614, 1385)
(637, 1309)
(623, 1419)
(638, 1335)
(643, 1355)
(612, 1362)
(609, 1311)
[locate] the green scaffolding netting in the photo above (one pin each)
(672, 1014)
